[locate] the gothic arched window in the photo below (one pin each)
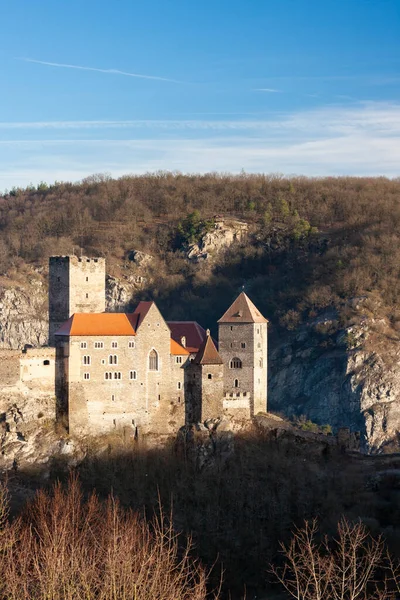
(153, 361)
(235, 363)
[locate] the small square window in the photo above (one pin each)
(209, 376)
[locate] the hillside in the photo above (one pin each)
(319, 257)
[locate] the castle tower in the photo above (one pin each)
(76, 285)
(242, 333)
(204, 384)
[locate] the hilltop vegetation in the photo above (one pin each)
(313, 243)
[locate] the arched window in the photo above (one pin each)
(113, 359)
(235, 363)
(153, 361)
(236, 383)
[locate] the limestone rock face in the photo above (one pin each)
(224, 234)
(348, 379)
(118, 294)
(141, 259)
(24, 315)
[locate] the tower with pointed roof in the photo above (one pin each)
(204, 383)
(242, 338)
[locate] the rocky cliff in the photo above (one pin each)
(345, 377)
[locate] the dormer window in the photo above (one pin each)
(183, 341)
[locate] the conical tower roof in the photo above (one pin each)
(243, 311)
(208, 354)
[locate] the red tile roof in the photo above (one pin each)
(191, 330)
(113, 324)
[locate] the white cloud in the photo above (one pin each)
(108, 71)
(333, 140)
(270, 90)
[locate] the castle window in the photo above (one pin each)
(243, 344)
(86, 360)
(87, 295)
(98, 345)
(235, 363)
(117, 375)
(113, 359)
(113, 400)
(259, 345)
(46, 363)
(209, 376)
(179, 399)
(87, 278)
(86, 376)
(115, 422)
(131, 344)
(258, 331)
(231, 328)
(153, 361)
(179, 385)
(58, 278)
(132, 375)
(159, 396)
(236, 383)
(108, 375)
(114, 344)
(179, 359)
(83, 345)
(260, 362)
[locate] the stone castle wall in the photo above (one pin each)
(76, 285)
(248, 342)
(103, 396)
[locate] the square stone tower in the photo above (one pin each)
(76, 285)
(242, 333)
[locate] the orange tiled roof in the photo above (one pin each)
(177, 349)
(112, 324)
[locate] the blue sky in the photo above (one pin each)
(291, 86)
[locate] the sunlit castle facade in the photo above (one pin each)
(138, 371)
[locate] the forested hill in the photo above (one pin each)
(313, 242)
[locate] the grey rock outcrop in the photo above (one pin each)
(24, 314)
(350, 378)
(223, 235)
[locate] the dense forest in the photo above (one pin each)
(313, 243)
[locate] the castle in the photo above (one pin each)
(116, 370)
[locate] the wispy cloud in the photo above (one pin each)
(269, 90)
(108, 71)
(361, 139)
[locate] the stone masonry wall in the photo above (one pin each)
(252, 377)
(150, 401)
